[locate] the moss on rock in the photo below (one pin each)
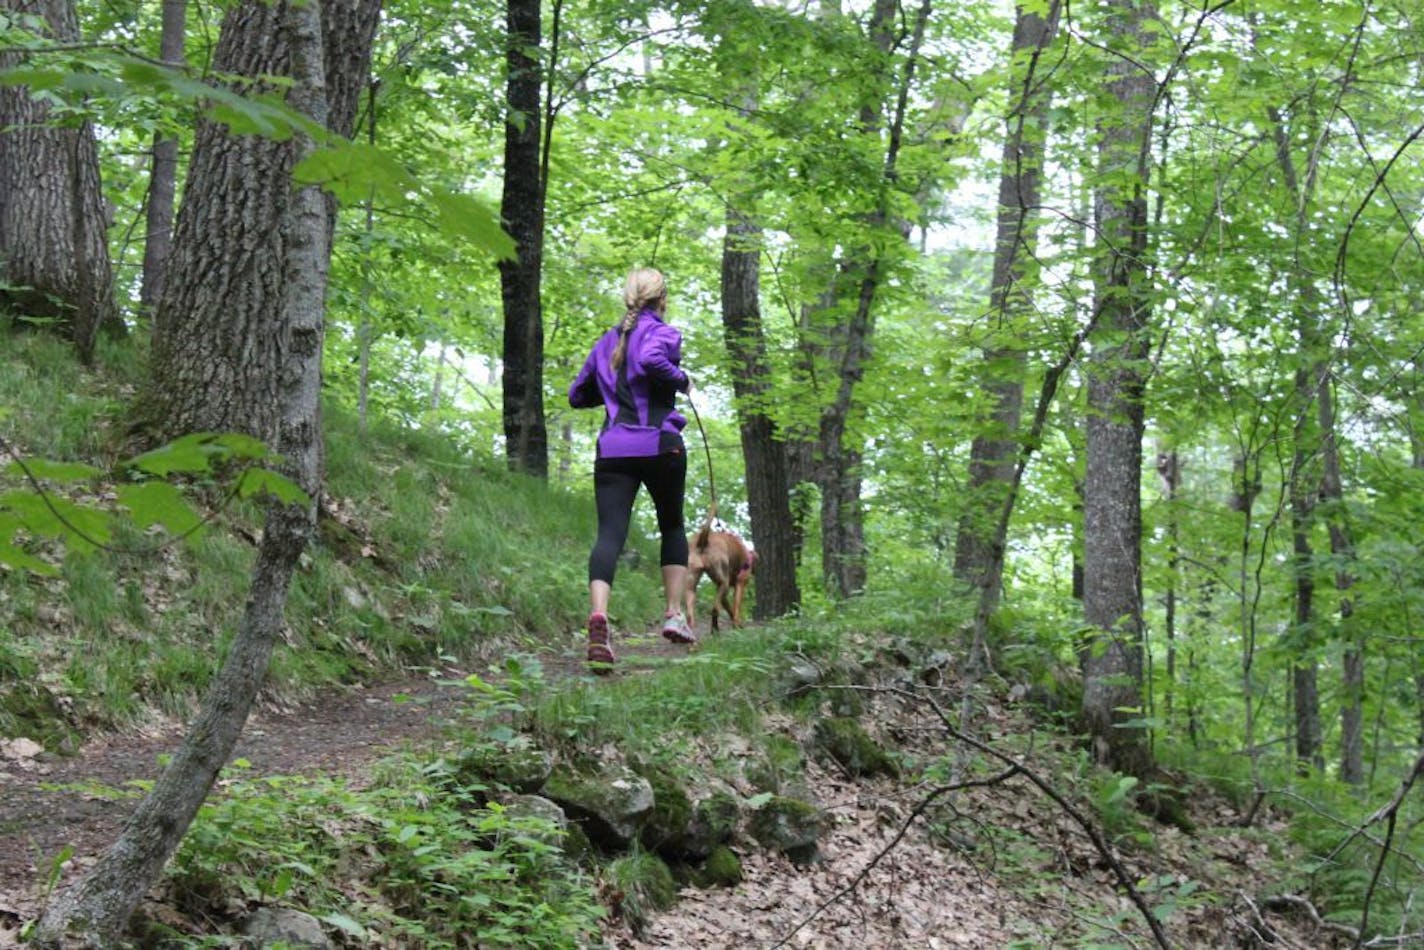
(844, 740)
(665, 827)
(643, 883)
(522, 769)
(790, 826)
(721, 869)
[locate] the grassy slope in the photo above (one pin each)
(425, 551)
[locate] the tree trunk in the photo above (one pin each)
(95, 910)
(365, 327)
(54, 251)
(1304, 670)
(214, 354)
(978, 555)
(163, 179)
(1342, 550)
(1112, 502)
(1169, 469)
(765, 454)
(1416, 440)
(843, 550)
(1310, 383)
(525, 434)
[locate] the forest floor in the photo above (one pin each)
(874, 886)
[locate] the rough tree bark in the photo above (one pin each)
(979, 543)
(54, 250)
(1112, 501)
(95, 910)
(163, 179)
(767, 464)
(214, 355)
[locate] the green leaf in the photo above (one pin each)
(197, 452)
(241, 446)
(346, 924)
(1124, 785)
(159, 503)
(14, 557)
(354, 171)
(55, 517)
(257, 482)
(191, 454)
(466, 217)
(758, 801)
(55, 471)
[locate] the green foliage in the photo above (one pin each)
(428, 865)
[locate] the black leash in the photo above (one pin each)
(711, 483)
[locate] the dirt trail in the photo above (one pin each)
(49, 803)
(871, 889)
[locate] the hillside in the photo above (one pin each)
(434, 645)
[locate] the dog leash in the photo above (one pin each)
(711, 483)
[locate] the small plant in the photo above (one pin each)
(422, 863)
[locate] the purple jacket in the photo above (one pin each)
(638, 398)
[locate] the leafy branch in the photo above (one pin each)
(40, 511)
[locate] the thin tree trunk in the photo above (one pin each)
(1304, 677)
(437, 384)
(1416, 440)
(1112, 502)
(365, 329)
(995, 449)
(843, 551)
(1169, 469)
(1309, 381)
(767, 465)
(163, 179)
(1342, 549)
(525, 433)
(96, 908)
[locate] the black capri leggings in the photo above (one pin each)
(615, 486)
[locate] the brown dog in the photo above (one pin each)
(728, 561)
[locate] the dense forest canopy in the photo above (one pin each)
(1096, 325)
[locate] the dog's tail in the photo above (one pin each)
(700, 541)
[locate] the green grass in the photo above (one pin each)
(442, 553)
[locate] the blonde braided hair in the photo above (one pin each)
(644, 289)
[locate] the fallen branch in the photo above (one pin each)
(918, 810)
(1103, 848)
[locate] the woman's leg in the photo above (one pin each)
(667, 484)
(614, 490)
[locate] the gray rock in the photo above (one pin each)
(714, 819)
(789, 826)
(282, 926)
(522, 769)
(536, 806)
(610, 802)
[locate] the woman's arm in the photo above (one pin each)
(662, 356)
(584, 394)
